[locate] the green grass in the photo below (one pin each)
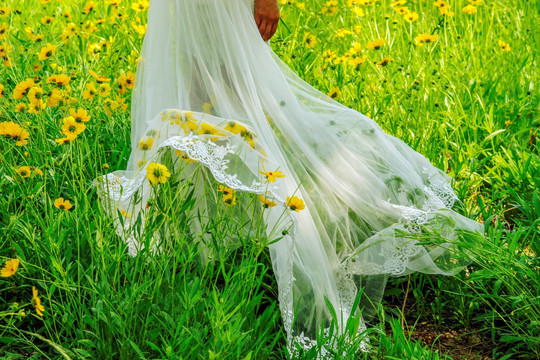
(468, 106)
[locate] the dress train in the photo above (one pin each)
(210, 91)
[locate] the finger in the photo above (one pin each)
(258, 20)
(266, 31)
(274, 28)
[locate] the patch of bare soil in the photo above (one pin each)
(460, 344)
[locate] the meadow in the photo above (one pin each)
(456, 80)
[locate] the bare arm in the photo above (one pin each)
(267, 17)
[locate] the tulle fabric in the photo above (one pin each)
(210, 89)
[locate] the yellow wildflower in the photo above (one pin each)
(309, 40)
(39, 307)
(46, 52)
(295, 203)
(229, 199)
(469, 9)
(146, 145)
(62, 204)
(10, 268)
(157, 173)
(504, 46)
(72, 127)
(376, 44)
(266, 203)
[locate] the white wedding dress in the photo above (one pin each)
(208, 86)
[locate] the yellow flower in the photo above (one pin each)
(104, 89)
(209, 129)
(15, 132)
(272, 175)
(127, 80)
(235, 127)
(469, 9)
(375, 44)
(63, 204)
(88, 7)
(99, 78)
(229, 199)
(39, 307)
(72, 127)
(10, 268)
(22, 88)
(4, 11)
(35, 94)
(410, 17)
(66, 140)
(266, 203)
(90, 91)
(422, 39)
(47, 20)
(226, 190)
(309, 40)
(59, 79)
(146, 145)
(207, 108)
(24, 171)
(385, 61)
(46, 52)
(3, 31)
(334, 93)
(157, 173)
(80, 115)
(141, 5)
(504, 46)
(295, 203)
(54, 97)
(124, 213)
(184, 156)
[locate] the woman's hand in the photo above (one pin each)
(267, 17)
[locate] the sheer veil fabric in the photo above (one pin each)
(209, 89)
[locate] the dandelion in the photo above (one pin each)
(266, 203)
(37, 302)
(10, 268)
(157, 173)
(295, 203)
(46, 52)
(62, 204)
(375, 44)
